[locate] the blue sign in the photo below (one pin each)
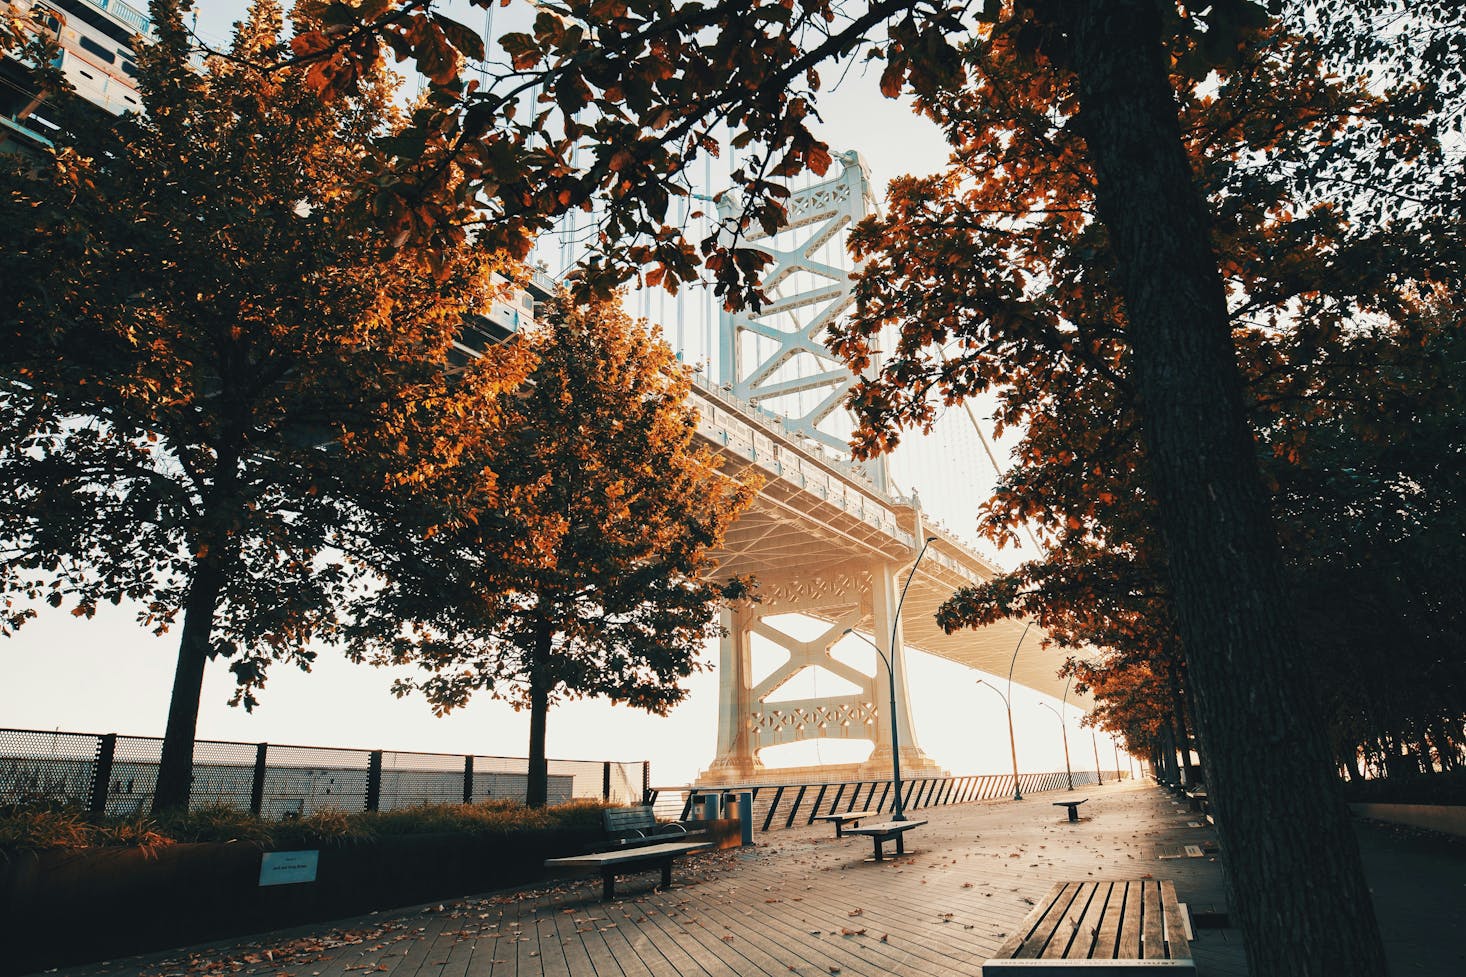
(288, 867)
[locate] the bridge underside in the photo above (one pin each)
(820, 560)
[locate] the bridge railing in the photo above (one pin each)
(789, 805)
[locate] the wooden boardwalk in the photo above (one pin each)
(798, 902)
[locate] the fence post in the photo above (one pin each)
(605, 780)
(102, 774)
(257, 785)
(468, 779)
(374, 781)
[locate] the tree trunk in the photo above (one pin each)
(1182, 726)
(537, 790)
(175, 767)
(1295, 882)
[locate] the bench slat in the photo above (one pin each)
(1177, 946)
(1090, 924)
(626, 856)
(1052, 923)
(1018, 937)
(1067, 930)
(1152, 940)
(1108, 939)
(1129, 945)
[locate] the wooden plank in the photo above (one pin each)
(1087, 943)
(1152, 940)
(627, 856)
(1067, 928)
(1177, 946)
(1051, 923)
(1108, 937)
(1128, 947)
(1018, 937)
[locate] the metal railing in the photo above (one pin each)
(782, 805)
(115, 775)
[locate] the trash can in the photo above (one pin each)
(706, 806)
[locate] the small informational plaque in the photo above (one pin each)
(288, 867)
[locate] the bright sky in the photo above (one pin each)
(109, 675)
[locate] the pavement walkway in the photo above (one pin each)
(802, 902)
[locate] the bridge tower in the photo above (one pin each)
(775, 361)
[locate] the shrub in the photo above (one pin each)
(35, 827)
(39, 826)
(216, 822)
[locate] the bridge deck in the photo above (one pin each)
(806, 903)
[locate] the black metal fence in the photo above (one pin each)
(115, 775)
(784, 805)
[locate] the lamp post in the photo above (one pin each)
(1012, 746)
(898, 809)
(1007, 699)
(1097, 775)
(1064, 730)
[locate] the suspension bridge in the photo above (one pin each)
(829, 540)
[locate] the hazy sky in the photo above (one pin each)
(108, 675)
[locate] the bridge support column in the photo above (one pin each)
(735, 759)
(885, 583)
(858, 595)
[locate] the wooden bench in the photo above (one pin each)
(628, 827)
(844, 818)
(1099, 927)
(1197, 797)
(628, 860)
(884, 832)
(1073, 807)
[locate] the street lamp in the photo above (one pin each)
(1063, 728)
(1012, 744)
(898, 810)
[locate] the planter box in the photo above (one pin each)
(99, 904)
(1447, 818)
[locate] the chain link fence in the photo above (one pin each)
(115, 775)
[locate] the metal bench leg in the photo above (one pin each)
(901, 843)
(667, 874)
(1074, 813)
(608, 884)
(880, 856)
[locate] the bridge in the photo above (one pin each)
(827, 539)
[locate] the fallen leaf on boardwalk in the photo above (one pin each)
(966, 885)
(856, 912)
(834, 970)
(885, 937)
(859, 932)
(1028, 900)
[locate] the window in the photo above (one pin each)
(88, 44)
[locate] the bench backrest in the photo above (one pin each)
(622, 822)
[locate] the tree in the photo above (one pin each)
(212, 355)
(1326, 306)
(659, 80)
(589, 575)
